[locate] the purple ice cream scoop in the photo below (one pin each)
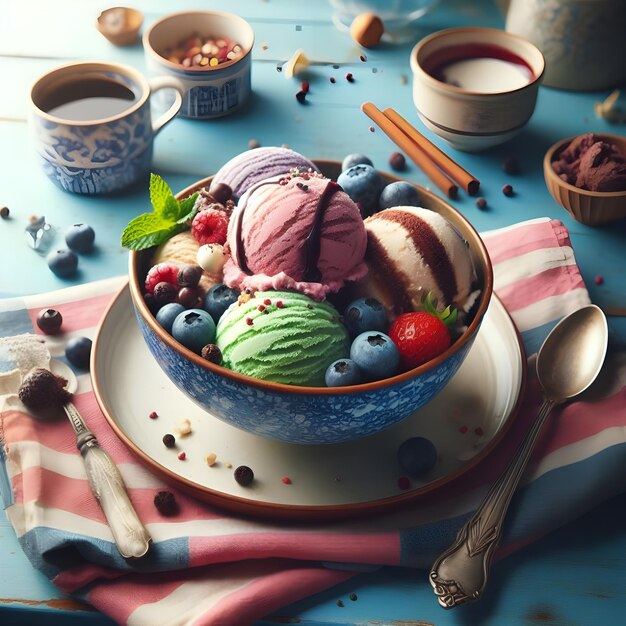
(252, 166)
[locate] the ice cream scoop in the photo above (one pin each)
(298, 232)
(283, 337)
(252, 166)
(412, 251)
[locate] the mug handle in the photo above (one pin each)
(167, 82)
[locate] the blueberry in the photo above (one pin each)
(355, 159)
(416, 456)
(63, 263)
(78, 352)
(80, 238)
(343, 372)
(218, 299)
(194, 328)
(398, 194)
(375, 354)
(168, 313)
(363, 184)
(365, 314)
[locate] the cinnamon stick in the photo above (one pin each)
(403, 141)
(440, 158)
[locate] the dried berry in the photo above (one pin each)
(189, 275)
(507, 190)
(481, 203)
(188, 297)
(304, 86)
(254, 143)
(182, 456)
(301, 97)
(212, 353)
(166, 504)
(49, 321)
(598, 280)
(404, 482)
(397, 161)
(350, 77)
(353, 596)
(332, 79)
(153, 415)
(169, 441)
(244, 475)
(4, 212)
(164, 293)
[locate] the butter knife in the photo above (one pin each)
(107, 485)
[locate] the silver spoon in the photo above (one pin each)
(567, 363)
(105, 480)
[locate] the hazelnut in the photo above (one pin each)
(367, 29)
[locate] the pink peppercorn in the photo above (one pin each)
(463, 430)
(249, 321)
(286, 480)
(404, 482)
(153, 415)
(182, 456)
(598, 280)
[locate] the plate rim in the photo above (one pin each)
(296, 512)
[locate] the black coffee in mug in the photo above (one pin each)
(85, 99)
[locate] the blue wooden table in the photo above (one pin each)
(574, 577)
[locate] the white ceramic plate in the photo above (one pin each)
(464, 422)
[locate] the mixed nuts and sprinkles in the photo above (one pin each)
(199, 52)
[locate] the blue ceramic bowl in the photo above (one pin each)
(310, 415)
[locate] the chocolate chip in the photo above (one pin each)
(166, 504)
(244, 475)
(507, 190)
(353, 596)
(221, 192)
(4, 212)
(169, 441)
(481, 203)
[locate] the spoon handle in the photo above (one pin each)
(460, 574)
(107, 485)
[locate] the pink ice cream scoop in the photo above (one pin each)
(295, 232)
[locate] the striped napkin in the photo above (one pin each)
(211, 567)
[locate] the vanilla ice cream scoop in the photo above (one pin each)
(412, 251)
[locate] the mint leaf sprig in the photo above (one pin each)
(168, 217)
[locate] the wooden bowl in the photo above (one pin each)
(120, 25)
(592, 208)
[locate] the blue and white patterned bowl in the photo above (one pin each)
(310, 415)
(209, 92)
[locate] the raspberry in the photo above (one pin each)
(161, 273)
(210, 226)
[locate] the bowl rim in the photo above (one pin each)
(551, 176)
(424, 75)
(283, 388)
(147, 46)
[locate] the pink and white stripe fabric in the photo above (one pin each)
(208, 567)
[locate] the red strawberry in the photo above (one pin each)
(419, 337)
(210, 226)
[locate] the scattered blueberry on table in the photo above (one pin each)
(78, 352)
(63, 263)
(80, 238)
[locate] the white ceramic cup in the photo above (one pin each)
(104, 154)
(210, 92)
(472, 120)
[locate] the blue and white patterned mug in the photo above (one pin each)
(210, 91)
(92, 125)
